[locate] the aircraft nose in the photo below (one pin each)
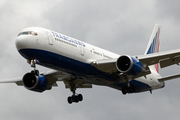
(21, 42)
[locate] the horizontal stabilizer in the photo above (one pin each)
(168, 78)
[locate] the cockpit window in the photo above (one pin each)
(27, 33)
(33, 33)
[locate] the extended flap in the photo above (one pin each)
(169, 61)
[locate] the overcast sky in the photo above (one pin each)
(123, 27)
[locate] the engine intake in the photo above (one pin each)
(129, 65)
(35, 83)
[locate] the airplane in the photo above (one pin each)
(81, 65)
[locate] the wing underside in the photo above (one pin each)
(53, 76)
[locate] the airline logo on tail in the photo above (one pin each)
(153, 45)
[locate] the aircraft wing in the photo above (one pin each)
(106, 65)
(53, 76)
(165, 59)
(18, 81)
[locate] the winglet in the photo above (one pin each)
(153, 45)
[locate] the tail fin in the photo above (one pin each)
(153, 45)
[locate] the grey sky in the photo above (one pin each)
(123, 27)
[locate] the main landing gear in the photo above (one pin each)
(130, 89)
(75, 97)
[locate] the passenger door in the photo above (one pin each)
(50, 38)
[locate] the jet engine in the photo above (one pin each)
(129, 65)
(35, 83)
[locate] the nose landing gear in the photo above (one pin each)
(33, 62)
(74, 98)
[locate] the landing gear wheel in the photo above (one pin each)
(74, 98)
(36, 72)
(32, 72)
(124, 91)
(80, 97)
(130, 89)
(69, 100)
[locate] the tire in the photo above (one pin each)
(124, 91)
(69, 100)
(80, 97)
(36, 72)
(76, 99)
(32, 72)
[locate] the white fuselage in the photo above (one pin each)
(60, 52)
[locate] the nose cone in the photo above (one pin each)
(21, 42)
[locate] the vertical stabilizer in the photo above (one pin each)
(153, 45)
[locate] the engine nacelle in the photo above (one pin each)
(35, 83)
(129, 65)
